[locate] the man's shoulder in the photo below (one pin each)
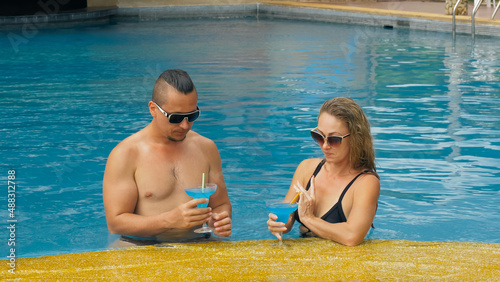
(199, 139)
(127, 146)
(123, 157)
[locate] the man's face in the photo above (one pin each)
(177, 102)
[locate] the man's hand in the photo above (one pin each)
(188, 215)
(222, 224)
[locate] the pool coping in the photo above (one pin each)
(293, 10)
(319, 12)
(306, 259)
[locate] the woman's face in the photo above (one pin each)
(329, 125)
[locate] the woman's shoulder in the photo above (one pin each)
(308, 166)
(370, 176)
(314, 162)
(368, 181)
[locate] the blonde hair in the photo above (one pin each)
(362, 155)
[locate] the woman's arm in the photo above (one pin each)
(359, 219)
(302, 174)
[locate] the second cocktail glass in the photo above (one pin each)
(283, 211)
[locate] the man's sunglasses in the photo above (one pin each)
(179, 117)
(332, 140)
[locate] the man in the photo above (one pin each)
(146, 174)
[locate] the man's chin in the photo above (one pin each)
(176, 140)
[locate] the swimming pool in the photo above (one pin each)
(68, 96)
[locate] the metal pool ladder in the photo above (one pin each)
(474, 11)
(496, 8)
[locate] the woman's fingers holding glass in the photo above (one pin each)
(276, 228)
(273, 218)
(273, 225)
(278, 235)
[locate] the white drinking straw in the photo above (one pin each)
(203, 182)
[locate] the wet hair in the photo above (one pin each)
(362, 155)
(176, 78)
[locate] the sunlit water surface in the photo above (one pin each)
(68, 96)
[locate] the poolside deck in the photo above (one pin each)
(405, 14)
(428, 7)
(301, 260)
(402, 14)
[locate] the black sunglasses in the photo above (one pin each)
(179, 117)
(332, 140)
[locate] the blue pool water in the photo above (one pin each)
(68, 96)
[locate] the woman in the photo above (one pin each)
(342, 190)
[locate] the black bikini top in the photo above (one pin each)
(336, 213)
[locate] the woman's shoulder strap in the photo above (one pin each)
(316, 171)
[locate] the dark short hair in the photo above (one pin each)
(178, 79)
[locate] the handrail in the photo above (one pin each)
(474, 11)
(454, 10)
(473, 15)
(496, 9)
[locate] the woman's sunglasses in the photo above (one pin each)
(331, 140)
(179, 117)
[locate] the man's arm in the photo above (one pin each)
(219, 201)
(120, 197)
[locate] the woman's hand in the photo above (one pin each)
(277, 228)
(307, 200)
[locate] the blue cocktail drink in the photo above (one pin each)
(199, 193)
(283, 211)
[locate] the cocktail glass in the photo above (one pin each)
(283, 211)
(198, 193)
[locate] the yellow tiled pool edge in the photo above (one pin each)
(301, 260)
